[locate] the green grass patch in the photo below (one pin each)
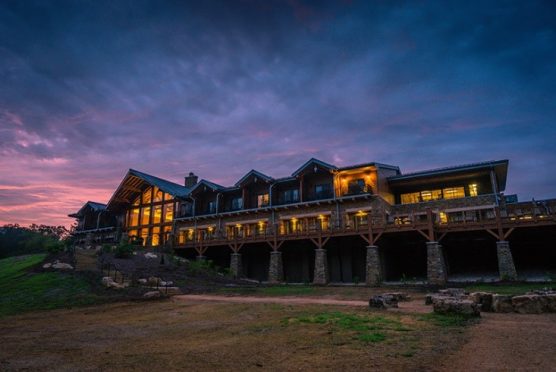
(24, 291)
(367, 328)
(443, 320)
(506, 288)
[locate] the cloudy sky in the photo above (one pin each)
(89, 89)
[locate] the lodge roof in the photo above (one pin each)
(164, 185)
(255, 173)
(211, 185)
(95, 206)
(128, 188)
(313, 161)
(499, 166)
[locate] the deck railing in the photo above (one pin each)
(518, 214)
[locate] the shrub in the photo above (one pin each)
(53, 246)
(106, 248)
(124, 250)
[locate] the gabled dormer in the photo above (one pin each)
(255, 189)
(316, 180)
(206, 196)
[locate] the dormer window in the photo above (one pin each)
(263, 200)
(237, 203)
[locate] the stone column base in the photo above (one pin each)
(321, 267)
(374, 266)
(235, 265)
(436, 267)
(276, 268)
(506, 267)
(201, 258)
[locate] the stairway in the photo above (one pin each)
(85, 260)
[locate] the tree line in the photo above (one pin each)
(18, 240)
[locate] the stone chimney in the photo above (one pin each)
(191, 180)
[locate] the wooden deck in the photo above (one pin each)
(501, 225)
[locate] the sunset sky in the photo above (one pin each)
(89, 89)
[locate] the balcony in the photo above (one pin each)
(321, 195)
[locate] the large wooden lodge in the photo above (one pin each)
(361, 223)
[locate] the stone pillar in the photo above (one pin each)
(235, 265)
(374, 266)
(276, 268)
(321, 267)
(436, 267)
(201, 258)
(506, 267)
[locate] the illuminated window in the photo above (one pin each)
(137, 201)
(431, 195)
(147, 196)
(443, 217)
(134, 217)
(322, 222)
(473, 189)
(294, 225)
(262, 200)
(168, 212)
(156, 237)
(158, 195)
(413, 197)
(145, 215)
(132, 233)
(168, 197)
(157, 214)
(261, 226)
(144, 235)
(454, 192)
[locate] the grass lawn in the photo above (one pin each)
(23, 290)
(506, 288)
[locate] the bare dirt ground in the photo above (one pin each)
(509, 342)
(192, 333)
(414, 306)
(201, 336)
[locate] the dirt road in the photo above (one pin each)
(410, 306)
(509, 342)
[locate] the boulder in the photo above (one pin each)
(153, 281)
(399, 296)
(383, 302)
(453, 292)
(151, 295)
(502, 304)
(108, 282)
(47, 266)
(142, 281)
(550, 300)
(61, 266)
(452, 305)
(529, 304)
(169, 283)
(482, 298)
(150, 255)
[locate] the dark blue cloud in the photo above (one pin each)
(91, 88)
